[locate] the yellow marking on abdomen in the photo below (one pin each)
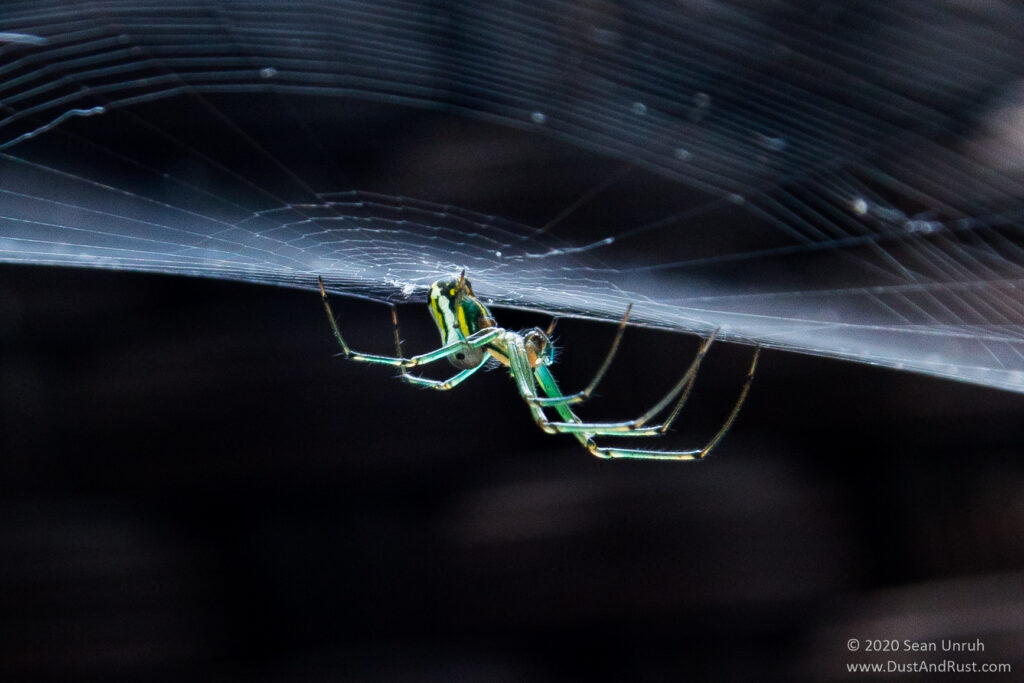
(436, 310)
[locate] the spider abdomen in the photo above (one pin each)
(467, 358)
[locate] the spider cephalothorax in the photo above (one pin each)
(470, 337)
(539, 348)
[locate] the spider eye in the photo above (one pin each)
(460, 356)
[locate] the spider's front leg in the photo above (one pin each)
(528, 378)
(694, 454)
(526, 384)
(637, 426)
(552, 401)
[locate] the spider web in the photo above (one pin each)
(842, 180)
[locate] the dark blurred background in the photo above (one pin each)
(193, 486)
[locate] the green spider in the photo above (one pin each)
(470, 337)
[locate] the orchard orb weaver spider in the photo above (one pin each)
(470, 337)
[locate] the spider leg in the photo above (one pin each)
(526, 382)
(580, 396)
(636, 427)
(473, 341)
(585, 432)
(331, 319)
(442, 385)
(695, 454)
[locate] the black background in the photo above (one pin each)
(193, 484)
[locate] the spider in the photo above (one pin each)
(470, 337)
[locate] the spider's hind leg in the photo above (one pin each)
(474, 341)
(332, 319)
(441, 385)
